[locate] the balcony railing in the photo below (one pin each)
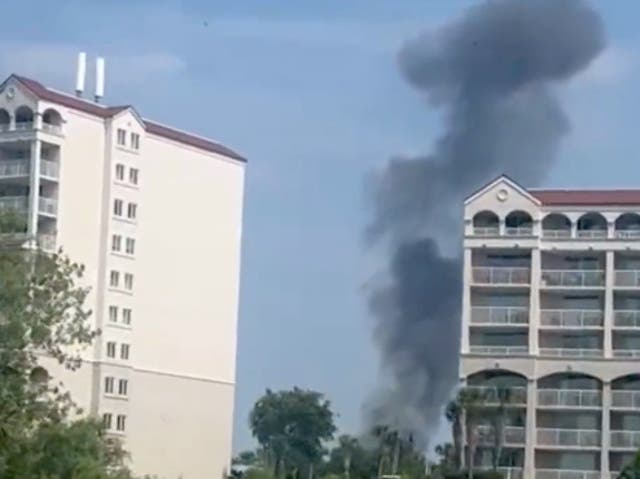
(486, 231)
(19, 204)
(47, 242)
(49, 169)
(570, 398)
(624, 399)
(627, 278)
(499, 350)
(626, 353)
(626, 318)
(49, 128)
(519, 231)
(572, 318)
(47, 206)
(571, 352)
(499, 275)
(628, 234)
(24, 125)
(512, 436)
(566, 474)
(14, 168)
(625, 439)
(499, 315)
(573, 278)
(592, 234)
(556, 234)
(568, 437)
(507, 472)
(492, 396)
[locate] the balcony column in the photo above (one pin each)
(34, 189)
(466, 300)
(606, 426)
(534, 301)
(12, 122)
(608, 303)
(530, 431)
(502, 227)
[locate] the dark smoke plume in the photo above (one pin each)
(492, 74)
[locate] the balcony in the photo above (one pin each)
(566, 474)
(556, 234)
(626, 319)
(14, 169)
(571, 438)
(501, 276)
(625, 440)
(571, 318)
(573, 278)
(19, 204)
(571, 352)
(569, 398)
(512, 436)
(47, 206)
(486, 231)
(50, 128)
(628, 234)
(627, 353)
(499, 350)
(592, 234)
(494, 396)
(24, 126)
(507, 472)
(627, 278)
(497, 315)
(47, 243)
(625, 399)
(519, 231)
(49, 169)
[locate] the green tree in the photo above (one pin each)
(348, 446)
(632, 470)
(292, 426)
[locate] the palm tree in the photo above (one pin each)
(348, 444)
(453, 413)
(471, 403)
(632, 470)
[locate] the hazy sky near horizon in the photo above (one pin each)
(310, 93)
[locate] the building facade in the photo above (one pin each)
(155, 215)
(551, 314)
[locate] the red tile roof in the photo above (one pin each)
(101, 111)
(587, 197)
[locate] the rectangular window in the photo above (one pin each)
(133, 176)
(113, 314)
(128, 281)
(132, 210)
(126, 316)
(116, 242)
(121, 422)
(111, 349)
(107, 420)
(117, 207)
(122, 137)
(120, 172)
(124, 351)
(122, 387)
(130, 246)
(135, 141)
(114, 279)
(108, 385)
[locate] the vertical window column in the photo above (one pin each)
(466, 300)
(530, 431)
(606, 426)
(534, 301)
(34, 188)
(608, 303)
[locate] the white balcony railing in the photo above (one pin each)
(14, 168)
(514, 395)
(49, 169)
(566, 474)
(16, 203)
(512, 436)
(628, 278)
(556, 234)
(569, 398)
(49, 128)
(572, 318)
(47, 206)
(47, 242)
(626, 319)
(573, 278)
(568, 437)
(24, 125)
(519, 231)
(592, 234)
(499, 350)
(571, 352)
(499, 275)
(625, 439)
(625, 399)
(628, 234)
(499, 315)
(486, 231)
(626, 353)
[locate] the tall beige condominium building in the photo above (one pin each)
(551, 312)
(155, 216)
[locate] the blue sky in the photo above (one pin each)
(310, 93)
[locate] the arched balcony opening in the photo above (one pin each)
(574, 390)
(5, 120)
(625, 404)
(51, 120)
(625, 392)
(486, 223)
(628, 226)
(24, 118)
(519, 223)
(499, 386)
(556, 225)
(592, 226)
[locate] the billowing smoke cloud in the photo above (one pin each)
(492, 74)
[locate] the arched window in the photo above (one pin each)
(497, 385)
(628, 226)
(5, 119)
(556, 225)
(486, 223)
(519, 223)
(569, 390)
(592, 225)
(24, 118)
(51, 117)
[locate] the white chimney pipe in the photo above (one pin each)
(99, 78)
(81, 73)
